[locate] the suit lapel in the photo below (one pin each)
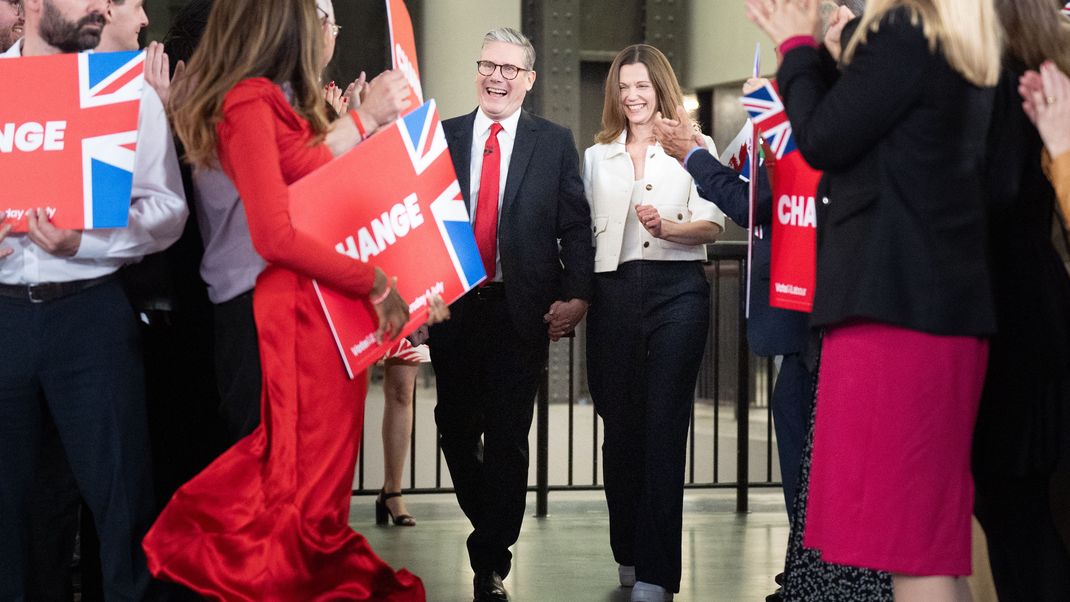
(459, 140)
(527, 134)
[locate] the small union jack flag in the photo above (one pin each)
(767, 111)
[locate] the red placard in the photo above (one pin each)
(392, 202)
(403, 48)
(793, 263)
(68, 132)
(794, 247)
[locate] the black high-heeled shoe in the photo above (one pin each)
(383, 513)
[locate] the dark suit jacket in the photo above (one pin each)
(544, 228)
(901, 224)
(770, 330)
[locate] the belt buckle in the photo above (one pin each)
(35, 297)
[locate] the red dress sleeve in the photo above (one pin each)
(250, 154)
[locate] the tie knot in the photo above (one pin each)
(495, 129)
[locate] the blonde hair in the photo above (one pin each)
(967, 32)
(276, 39)
(662, 77)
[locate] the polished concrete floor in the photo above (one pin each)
(565, 557)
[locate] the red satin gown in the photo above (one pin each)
(267, 521)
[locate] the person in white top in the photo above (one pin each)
(71, 342)
(646, 327)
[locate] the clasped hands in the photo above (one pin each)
(563, 317)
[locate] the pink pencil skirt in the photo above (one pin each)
(890, 486)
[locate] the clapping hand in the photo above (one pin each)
(785, 19)
(678, 136)
(387, 97)
(158, 70)
(1046, 100)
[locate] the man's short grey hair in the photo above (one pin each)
(512, 36)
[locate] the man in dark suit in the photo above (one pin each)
(533, 229)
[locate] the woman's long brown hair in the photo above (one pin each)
(1036, 31)
(662, 76)
(276, 39)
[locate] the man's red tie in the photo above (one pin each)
(486, 224)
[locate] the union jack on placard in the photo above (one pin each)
(107, 79)
(767, 111)
(451, 216)
(421, 130)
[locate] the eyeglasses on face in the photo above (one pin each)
(508, 71)
(333, 28)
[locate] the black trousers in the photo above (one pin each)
(646, 332)
(1029, 560)
(792, 398)
(237, 365)
(79, 356)
(487, 380)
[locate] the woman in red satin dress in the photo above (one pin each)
(267, 521)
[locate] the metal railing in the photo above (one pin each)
(731, 382)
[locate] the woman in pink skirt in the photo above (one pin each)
(903, 289)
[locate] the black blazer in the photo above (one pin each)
(544, 228)
(770, 330)
(901, 221)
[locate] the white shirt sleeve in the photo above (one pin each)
(158, 208)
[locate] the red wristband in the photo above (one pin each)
(360, 124)
(382, 296)
(796, 41)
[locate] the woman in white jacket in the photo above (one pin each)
(646, 327)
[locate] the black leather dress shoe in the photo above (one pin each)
(489, 587)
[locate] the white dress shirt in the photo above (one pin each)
(157, 211)
(506, 140)
(610, 185)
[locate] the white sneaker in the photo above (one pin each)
(626, 574)
(648, 592)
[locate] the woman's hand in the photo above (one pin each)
(386, 98)
(785, 19)
(650, 218)
(1046, 100)
(438, 311)
(393, 311)
(753, 84)
(356, 90)
(336, 97)
(834, 33)
(158, 70)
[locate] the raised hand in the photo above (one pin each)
(785, 19)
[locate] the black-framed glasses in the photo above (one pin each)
(508, 71)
